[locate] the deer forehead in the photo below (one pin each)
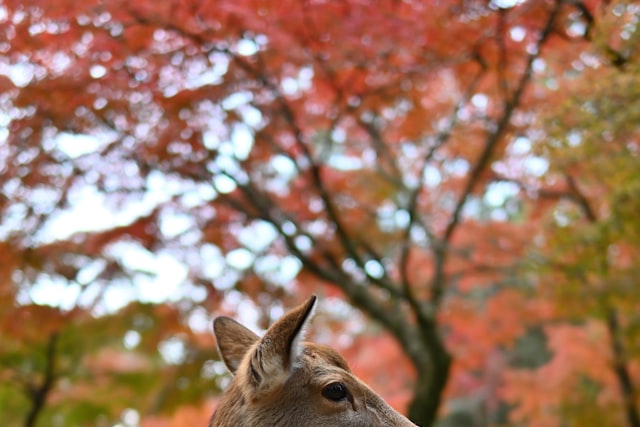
(318, 355)
(320, 365)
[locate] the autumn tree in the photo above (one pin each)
(188, 157)
(584, 261)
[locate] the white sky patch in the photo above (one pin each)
(88, 209)
(89, 272)
(223, 184)
(344, 162)
(288, 269)
(536, 166)
(226, 168)
(517, 34)
(539, 65)
(210, 139)
(21, 74)
(247, 47)
(457, 167)
(289, 86)
(257, 236)
(506, 4)
(78, 145)
(296, 85)
(247, 313)
(374, 269)
(160, 188)
(199, 320)
(577, 29)
(97, 71)
(574, 139)
(303, 243)
(202, 193)
(131, 339)
(55, 293)
(130, 417)
(172, 351)
(133, 257)
(60, 62)
(211, 261)
(163, 273)
(211, 72)
(480, 101)
(251, 116)
(170, 274)
(115, 296)
(283, 165)
(391, 217)
(242, 141)
(521, 149)
(498, 192)
(279, 270)
(174, 224)
(520, 146)
(236, 100)
(5, 120)
(163, 278)
(432, 176)
(240, 258)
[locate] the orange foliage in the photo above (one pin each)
(365, 138)
(188, 415)
(579, 356)
(380, 360)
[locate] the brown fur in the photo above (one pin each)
(279, 381)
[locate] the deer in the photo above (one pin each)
(283, 380)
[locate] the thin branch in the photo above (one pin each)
(383, 152)
(39, 393)
(627, 388)
(502, 53)
(269, 211)
(491, 143)
(581, 199)
(494, 137)
(620, 362)
(315, 172)
(589, 19)
(359, 295)
(412, 207)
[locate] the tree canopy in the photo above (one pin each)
(457, 180)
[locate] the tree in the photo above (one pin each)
(584, 259)
(373, 150)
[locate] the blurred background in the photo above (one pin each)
(457, 180)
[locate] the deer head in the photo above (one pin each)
(279, 380)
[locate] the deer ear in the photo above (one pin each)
(271, 361)
(234, 341)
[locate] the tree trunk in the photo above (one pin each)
(429, 387)
(40, 393)
(622, 372)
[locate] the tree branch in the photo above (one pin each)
(620, 363)
(359, 295)
(621, 370)
(581, 199)
(412, 207)
(491, 143)
(39, 393)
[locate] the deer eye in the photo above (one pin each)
(335, 391)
